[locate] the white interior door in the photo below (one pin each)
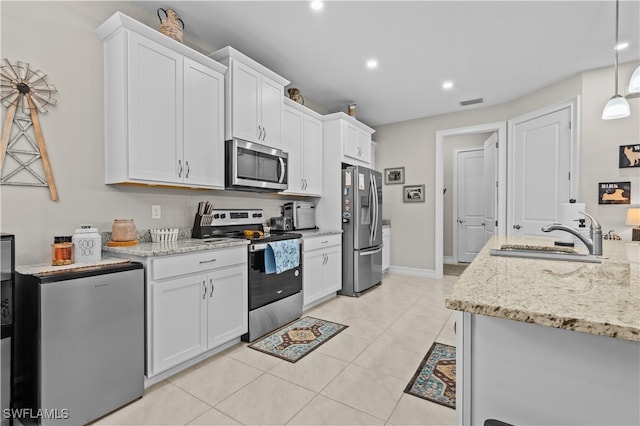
(490, 186)
(540, 177)
(470, 197)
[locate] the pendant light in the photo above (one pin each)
(617, 107)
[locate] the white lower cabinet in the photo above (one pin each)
(322, 271)
(386, 248)
(191, 313)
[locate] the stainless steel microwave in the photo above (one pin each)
(254, 167)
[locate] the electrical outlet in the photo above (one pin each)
(156, 212)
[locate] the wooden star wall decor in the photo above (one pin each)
(25, 93)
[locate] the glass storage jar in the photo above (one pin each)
(61, 251)
(123, 230)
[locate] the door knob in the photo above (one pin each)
(516, 227)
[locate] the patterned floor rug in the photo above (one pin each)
(435, 379)
(455, 270)
(298, 338)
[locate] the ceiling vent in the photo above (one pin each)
(471, 102)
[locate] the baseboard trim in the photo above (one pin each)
(416, 272)
(449, 259)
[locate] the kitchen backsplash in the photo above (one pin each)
(144, 235)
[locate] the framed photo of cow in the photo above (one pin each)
(394, 175)
(413, 193)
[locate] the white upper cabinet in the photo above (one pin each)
(164, 109)
(254, 99)
(354, 137)
(302, 139)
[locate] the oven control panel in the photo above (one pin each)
(237, 217)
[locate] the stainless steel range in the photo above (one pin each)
(274, 299)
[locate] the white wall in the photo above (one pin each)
(59, 38)
(412, 144)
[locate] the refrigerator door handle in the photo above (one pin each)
(369, 253)
(372, 209)
(375, 203)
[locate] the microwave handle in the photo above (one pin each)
(283, 170)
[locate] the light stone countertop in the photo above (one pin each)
(601, 299)
(308, 233)
(188, 245)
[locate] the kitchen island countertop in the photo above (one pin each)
(167, 248)
(601, 299)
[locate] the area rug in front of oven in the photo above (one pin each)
(298, 338)
(435, 379)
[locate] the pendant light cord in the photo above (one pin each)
(616, 46)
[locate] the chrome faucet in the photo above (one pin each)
(594, 243)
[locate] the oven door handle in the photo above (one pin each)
(263, 246)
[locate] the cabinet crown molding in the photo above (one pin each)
(119, 21)
(348, 119)
(230, 52)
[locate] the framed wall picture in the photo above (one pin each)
(413, 193)
(629, 156)
(614, 193)
(394, 175)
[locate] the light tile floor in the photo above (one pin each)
(356, 378)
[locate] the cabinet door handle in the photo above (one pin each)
(259, 132)
(212, 287)
(327, 259)
(305, 184)
(207, 261)
(179, 168)
(264, 136)
(204, 287)
(186, 163)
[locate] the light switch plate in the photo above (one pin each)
(156, 212)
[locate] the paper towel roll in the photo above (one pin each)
(569, 214)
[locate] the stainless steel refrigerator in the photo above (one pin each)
(361, 229)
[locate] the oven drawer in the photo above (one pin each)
(166, 267)
(315, 243)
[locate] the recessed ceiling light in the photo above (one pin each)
(317, 5)
(447, 85)
(372, 63)
(622, 46)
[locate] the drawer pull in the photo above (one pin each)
(324, 242)
(207, 261)
(279, 292)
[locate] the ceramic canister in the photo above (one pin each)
(87, 244)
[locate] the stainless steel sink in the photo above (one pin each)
(544, 252)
